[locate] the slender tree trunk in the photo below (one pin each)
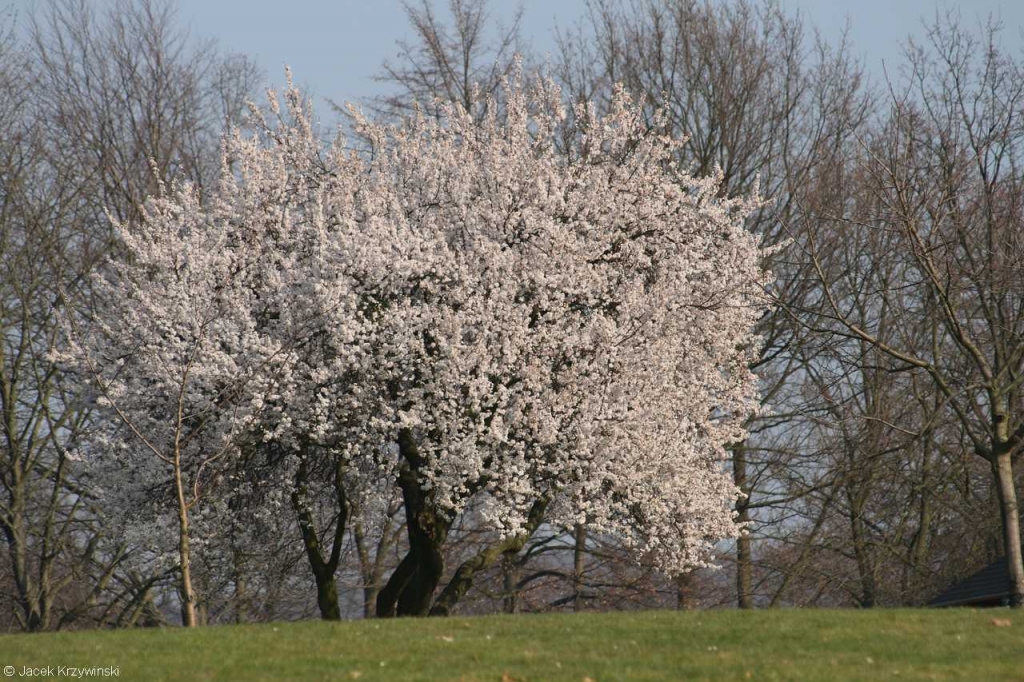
(510, 577)
(370, 587)
(744, 572)
(370, 592)
(918, 555)
(188, 595)
(744, 552)
(865, 569)
(240, 596)
(579, 558)
(372, 570)
(1006, 489)
(26, 592)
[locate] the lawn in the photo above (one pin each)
(716, 645)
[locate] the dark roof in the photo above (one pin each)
(988, 587)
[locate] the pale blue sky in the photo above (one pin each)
(334, 47)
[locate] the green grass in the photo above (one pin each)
(718, 645)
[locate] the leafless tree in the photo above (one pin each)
(447, 60)
(940, 297)
(95, 108)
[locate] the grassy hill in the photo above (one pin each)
(719, 645)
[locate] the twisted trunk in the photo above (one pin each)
(463, 578)
(410, 589)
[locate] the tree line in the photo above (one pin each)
(878, 469)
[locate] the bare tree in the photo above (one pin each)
(448, 60)
(59, 561)
(942, 191)
(90, 106)
(131, 99)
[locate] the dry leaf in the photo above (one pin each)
(355, 675)
(1001, 622)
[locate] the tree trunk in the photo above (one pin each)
(372, 570)
(1005, 487)
(323, 569)
(410, 589)
(463, 578)
(579, 557)
(510, 576)
(188, 595)
(684, 591)
(387, 598)
(240, 596)
(865, 569)
(427, 532)
(327, 596)
(744, 553)
(31, 611)
(371, 590)
(371, 586)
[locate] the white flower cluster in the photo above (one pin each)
(543, 301)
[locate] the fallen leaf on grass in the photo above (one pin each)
(446, 638)
(355, 675)
(505, 677)
(1001, 622)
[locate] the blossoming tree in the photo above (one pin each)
(564, 331)
(527, 307)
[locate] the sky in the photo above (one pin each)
(335, 46)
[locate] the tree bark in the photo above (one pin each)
(372, 570)
(188, 595)
(744, 552)
(579, 557)
(240, 597)
(1010, 513)
(323, 570)
(861, 551)
(684, 591)
(410, 589)
(387, 598)
(463, 578)
(510, 576)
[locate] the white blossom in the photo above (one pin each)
(544, 300)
